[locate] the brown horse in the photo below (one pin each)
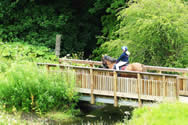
(108, 62)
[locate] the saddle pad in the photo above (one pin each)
(123, 67)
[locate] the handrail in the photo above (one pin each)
(170, 69)
(147, 67)
(102, 69)
(81, 61)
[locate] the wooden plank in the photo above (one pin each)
(177, 88)
(184, 93)
(164, 87)
(138, 89)
(90, 62)
(170, 69)
(92, 87)
(115, 89)
(185, 83)
(143, 97)
(119, 94)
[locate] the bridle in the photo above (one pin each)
(104, 64)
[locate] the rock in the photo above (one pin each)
(127, 113)
(91, 116)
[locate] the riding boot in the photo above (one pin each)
(114, 66)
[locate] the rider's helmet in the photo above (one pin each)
(124, 48)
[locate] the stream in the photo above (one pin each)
(100, 115)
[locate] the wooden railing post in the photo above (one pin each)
(92, 87)
(48, 68)
(184, 83)
(115, 89)
(58, 45)
(59, 60)
(177, 88)
(164, 86)
(138, 89)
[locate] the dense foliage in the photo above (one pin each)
(155, 31)
(163, 114)
(25, 87)
(22, 52)
(38, 21)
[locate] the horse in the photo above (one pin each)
(109, 62)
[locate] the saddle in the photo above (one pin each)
(123, 67)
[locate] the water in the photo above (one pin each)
(90, 115)
(100, 115)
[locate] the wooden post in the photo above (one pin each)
(115, 89)
(48, 68)
(92, 87)
(59, 61)
(58, 45)
(177, 88)
(91, 64)
(138, 89)
(164, 86)
(184, 83)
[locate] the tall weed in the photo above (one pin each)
(26, 87)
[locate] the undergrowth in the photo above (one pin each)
(28, 88)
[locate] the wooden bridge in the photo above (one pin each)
(109, 86)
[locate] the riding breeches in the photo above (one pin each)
(121, 63)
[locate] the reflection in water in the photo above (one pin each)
(100, 115)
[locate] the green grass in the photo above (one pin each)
(61, 116)
(162, 114)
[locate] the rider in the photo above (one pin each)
(124, 58)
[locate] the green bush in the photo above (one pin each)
(162, 114)
(18, 51)
(27, 88)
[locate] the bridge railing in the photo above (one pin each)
(137, 85)
(147, 67)
(183, 83)
(90, 62)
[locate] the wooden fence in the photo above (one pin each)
(183, 81)
(159, 69)
(111, 83)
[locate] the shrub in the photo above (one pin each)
(163, 114)
(18, 51)
(27, 88)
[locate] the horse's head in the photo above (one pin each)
(108, 62)
(104, 63)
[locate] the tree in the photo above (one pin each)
(155, 31)
(39, 21)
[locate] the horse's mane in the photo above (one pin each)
(109, 59)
